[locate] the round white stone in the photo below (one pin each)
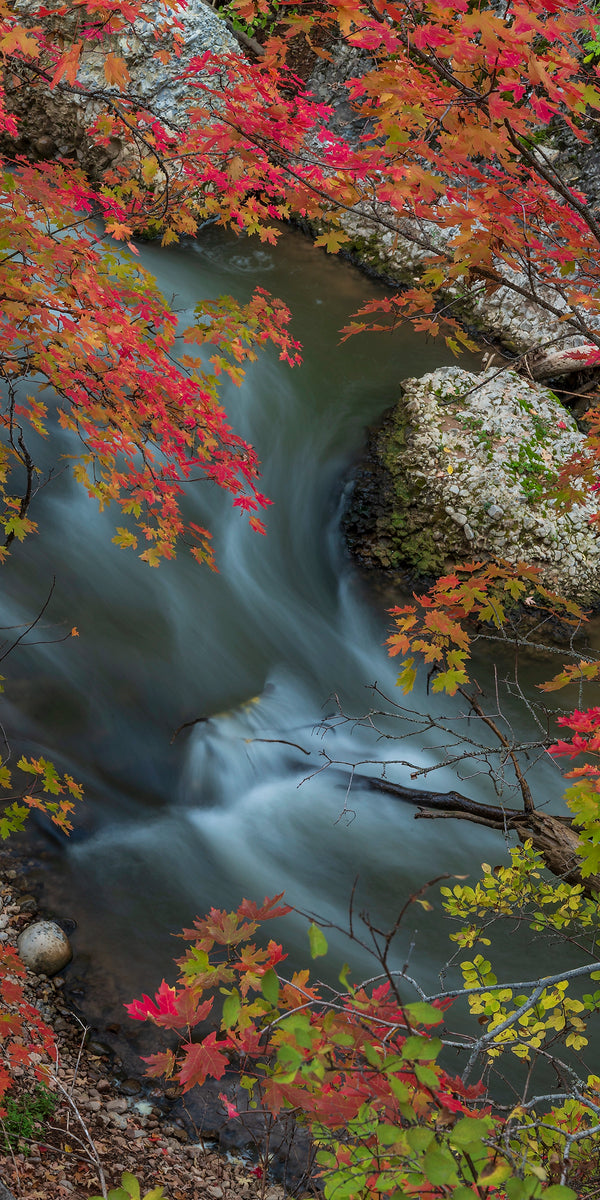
(44, 947)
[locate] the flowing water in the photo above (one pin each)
(232, 807)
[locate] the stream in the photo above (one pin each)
(234, 806)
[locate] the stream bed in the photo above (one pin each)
(235, 805)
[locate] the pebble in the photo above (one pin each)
(98, 1050)
(130, 1087)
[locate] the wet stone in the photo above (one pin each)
(130, 1087)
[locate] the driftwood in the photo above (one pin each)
(549, 364)
(555, 838)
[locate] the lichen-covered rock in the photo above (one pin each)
(153, 81)
(459, 472)
(44, 947)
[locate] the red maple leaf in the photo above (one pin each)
(201, 1060)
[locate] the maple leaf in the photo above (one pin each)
(230, 1107)
(332, 240)
(19, 39)
(201, 1061)
(187, 1012)
(119, 231)
(116, 72)
(164, 1003)
(160, 1064)
(270, 908)
(68, 65)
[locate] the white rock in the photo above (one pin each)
(500, 436)
(67, 115)
(44, 947)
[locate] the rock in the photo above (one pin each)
(500, 440)
(44, 947)
(52, 119)
(130, 1087)
(45, 147)
(5, 1194)
(98, 1050)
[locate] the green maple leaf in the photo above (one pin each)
(332, 240)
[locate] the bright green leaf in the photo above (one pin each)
(318, 941)
(269, 985)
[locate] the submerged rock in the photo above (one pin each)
(44, 947)
(459, 472)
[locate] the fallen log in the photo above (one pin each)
(549, 364)
(554, 837)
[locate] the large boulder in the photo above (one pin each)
(55, 123)
(459, 471)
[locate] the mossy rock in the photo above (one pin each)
(459, 470)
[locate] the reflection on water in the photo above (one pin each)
(235, 804)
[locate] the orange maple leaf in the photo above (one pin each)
(68, 65)
(201, 1060)
(115, 71)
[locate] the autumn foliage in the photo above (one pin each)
(452, 107)
(26, 1039)
(455, 104)
(360, 1065)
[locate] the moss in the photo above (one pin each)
(405, 531)
(364, 250)
(149, 233)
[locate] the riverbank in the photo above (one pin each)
(96, 1121)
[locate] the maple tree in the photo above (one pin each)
(358, 1064)
(452, 107)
